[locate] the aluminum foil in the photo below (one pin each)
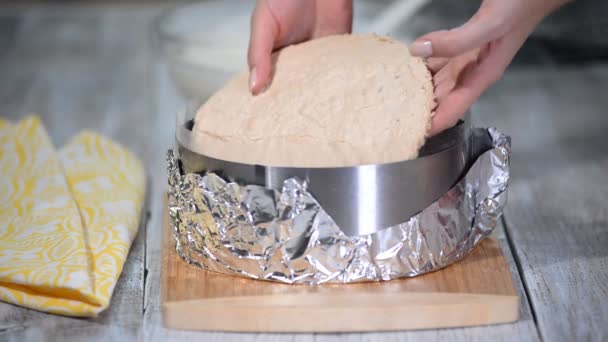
(285, 235)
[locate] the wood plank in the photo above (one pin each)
(82, 68)
(557, 215)
(168, 102)
(524, 329)
(476, 291)
(25, 78)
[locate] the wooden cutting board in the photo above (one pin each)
(476, 291)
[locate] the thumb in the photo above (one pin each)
(473, 34)
(264, 33)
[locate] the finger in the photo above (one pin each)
(452, 106)
(475, 33)
(476, 78)
(444, 74)
(453, 69)
(443, 89)
(264, 33)
(333, 17)
(435, 64)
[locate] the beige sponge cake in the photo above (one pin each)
(341, 100)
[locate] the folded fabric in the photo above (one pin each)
(67, 219)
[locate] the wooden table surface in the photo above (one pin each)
(97, 67)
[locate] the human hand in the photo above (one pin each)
(277, 23)
(467, 60)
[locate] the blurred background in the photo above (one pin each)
(56, 54)
(125, 68)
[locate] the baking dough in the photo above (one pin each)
(341, 100)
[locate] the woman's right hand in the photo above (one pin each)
(467, 60)
(277, 23)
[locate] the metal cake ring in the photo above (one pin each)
(383, 195)
(287, 236)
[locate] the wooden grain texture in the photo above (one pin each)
(166, 105)
(475, 291)
(80, 66)
(557, 215)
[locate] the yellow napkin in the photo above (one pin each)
(67, 219)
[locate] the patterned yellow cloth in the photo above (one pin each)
(67, 219)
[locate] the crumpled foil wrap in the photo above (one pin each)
(285, 236)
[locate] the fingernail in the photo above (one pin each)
(422, 49)
(252, 79)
